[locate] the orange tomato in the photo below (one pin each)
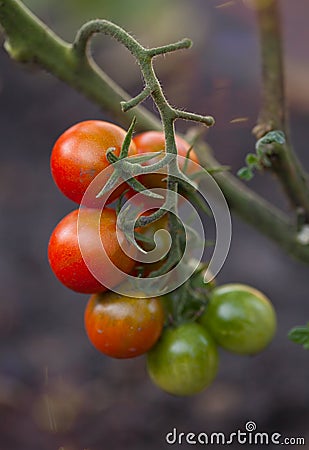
(123, 327)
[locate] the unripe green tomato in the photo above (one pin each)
(240, 318)
(184, 361)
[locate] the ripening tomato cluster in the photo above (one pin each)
(237, 318)
(182, 357)
(118, 326)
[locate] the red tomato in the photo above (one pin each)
(123, 327)
(154, 141)
(65, 256)
(79, 155)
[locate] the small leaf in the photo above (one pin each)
(185, 166)
(120, 200)
(300, 335)
(110, 184)
(143, 158)
(273, 137)
(277, 136)
(252, 159)
(110, 156)
(139, 187)
(245, 173)
(127, 140)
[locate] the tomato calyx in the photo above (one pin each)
(188, 302)
(123, 167)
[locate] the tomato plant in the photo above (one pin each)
(66, 259)
(184, 361)
(79, 155)
(240, 318)
(123, 327)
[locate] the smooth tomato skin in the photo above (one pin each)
(154, 141)
(240, 318)
(79, 155)
(123, 327)
(65, 257)
(184, 361)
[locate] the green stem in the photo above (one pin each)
(284, 162)
(30, 40)
(257, 212)
(184, 43)
(84, 34)
(207, 120)
(135, 100)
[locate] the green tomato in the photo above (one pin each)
(184, 361)
(241, 319)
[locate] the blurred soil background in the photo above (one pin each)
(56, 391)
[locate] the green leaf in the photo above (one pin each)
(300, 335)
(143, 158)
(273, 137)
(139, 187)
(245, 173)
(252, 159)
(185, 166)
(120, 200)
(127, 140)
(110, 184)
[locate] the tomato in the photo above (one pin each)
(154, 141)
(241, 319)
(79, 155)
(123, 327)
(65, 257)
(184, 361)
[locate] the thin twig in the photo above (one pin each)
(273, 115)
